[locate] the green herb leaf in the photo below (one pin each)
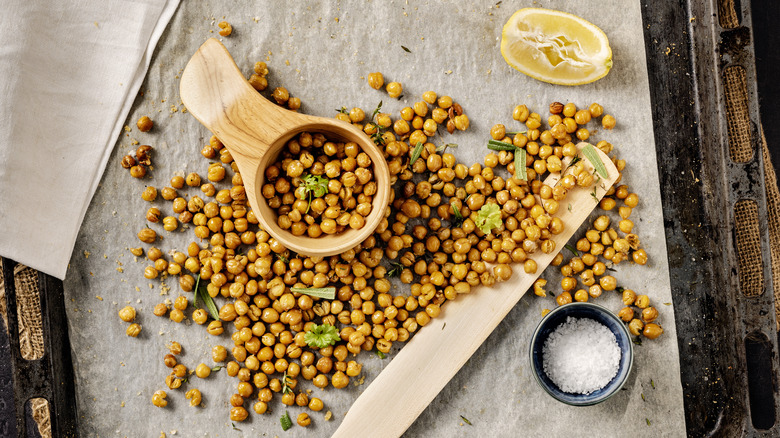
(376, 111)
(416, 153)
(488, 217)
(515, 132)
(342, 110)
(202, 295)
(520, 165)
(643, 396)
(286, 382)
(496, 145)
(648, 421)
(395, 271)
(593, 194)
(286, 421)
(380, 354)
(328, 293)
(569, 208)
(571, 163)
(406, 49)
(590, 153)
(315, 185)
(466, 420)
(321, 336)
(458, 216)
(234, 427)
(652, 383)
(443, 147)
(573, 250)
(637, 340)
(216, 368)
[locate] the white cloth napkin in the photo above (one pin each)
(69, 72)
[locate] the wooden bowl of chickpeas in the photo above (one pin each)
(318, 185)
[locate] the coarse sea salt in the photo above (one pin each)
(581, 356)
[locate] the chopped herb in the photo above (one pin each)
(648, 421)
(380, 354)
(496, 145)
(406, 49)
(282, 258)
(378, 136)
(488, 217)
(572, 249)
(520, 165)
(643, 396)
(590, 153)
(667, 304)
(443, 325)
(395, 271)
(286, 382)
(216, 368)
(234, 427)
(286, 421)
(202, 295)
(571, 163)
(569, 208)
(465, 420)
(319, 292)
(416, 153)
(458, 216)
(321, 336)
(343, 110)
(515, 132)
(619, 290)
(593, 193)
(443, 147)
(637, 340)
(376, 111)
(314, 185)
(652, 383)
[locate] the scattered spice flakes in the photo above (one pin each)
(545, 311)
(120, 269)
(87, 254)
(99, 297)
(448, 72)
(328, 415)
(648, 421)
(122, 404)
(127, 128)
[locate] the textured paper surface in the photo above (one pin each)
(322, 54)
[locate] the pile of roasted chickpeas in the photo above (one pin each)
(429, 239)
(320, 187)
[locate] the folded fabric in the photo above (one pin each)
(69, 72)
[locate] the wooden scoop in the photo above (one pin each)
(424, 366)
(255, 130)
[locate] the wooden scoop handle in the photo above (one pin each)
(424, 366)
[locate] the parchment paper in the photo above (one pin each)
(322, 53)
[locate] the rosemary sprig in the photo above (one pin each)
(395, 271)
(458, 216)
(496, 145)
(202, 294)
(319, 292)
(416, 153)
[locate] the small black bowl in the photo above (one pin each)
(551, 321)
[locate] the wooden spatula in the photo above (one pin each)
(424, 366)
(255, 130)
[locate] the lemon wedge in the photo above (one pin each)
(555, 47)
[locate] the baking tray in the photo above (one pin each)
(727, 339)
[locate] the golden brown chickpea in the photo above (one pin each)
(127, 314)
(225, 29)
(649, 314)
(138, 171)
(394, 89)
(258, 82)
(652, 331)
(193, 179)
(626, 314)
(133, 330)
(144, 124)
(376, 80)
(238, 413)
(149, 194)
(635, 327)
(174, 347)
(128, 161)
(202, 371)
(158, 399)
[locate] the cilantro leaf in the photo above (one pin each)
(321, 336)
(488, 217)
(315, 185)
